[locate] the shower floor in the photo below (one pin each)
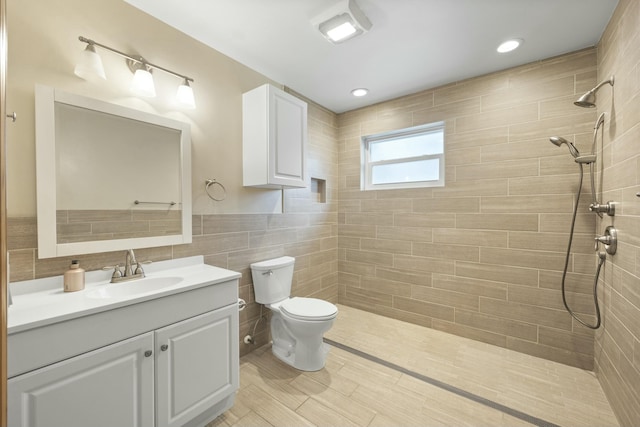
(385, 372)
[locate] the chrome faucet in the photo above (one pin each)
(132, 269)
(129, 262)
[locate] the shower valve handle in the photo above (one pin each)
(609, 240)
(609, 208)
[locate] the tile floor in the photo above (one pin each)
(355, 391)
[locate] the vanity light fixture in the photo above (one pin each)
(90, 66)
(509, 45)
(342, 22)
(184, 96)
(142, 83)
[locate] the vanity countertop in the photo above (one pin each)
(42, 302)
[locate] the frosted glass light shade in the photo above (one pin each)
(185, 97)
(142, 83)
(89, 66)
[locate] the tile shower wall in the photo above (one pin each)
(481, 257)
(307, 230)
(617, 350)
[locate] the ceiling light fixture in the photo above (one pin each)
(359, 92)
(90, 67)
(509, 45)
(342, 22)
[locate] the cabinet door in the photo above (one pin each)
(288, 136)
(198, 367)
(112, 386)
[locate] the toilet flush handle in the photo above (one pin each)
(268, 273)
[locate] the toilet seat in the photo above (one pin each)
(310, 309)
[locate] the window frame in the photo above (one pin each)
(367, 165)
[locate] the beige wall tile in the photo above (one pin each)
(470, 237)
(526, 313)
(413, 234)
(423, 308)
(509, 169)
(422, 220)
(512, 222)
(462, 204)
(498, 273)
(446, 251)
(469, 286)
(501, 326)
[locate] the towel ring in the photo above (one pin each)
(209, 183)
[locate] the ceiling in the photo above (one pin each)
(413, 44)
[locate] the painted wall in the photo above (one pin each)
(483, 256)
(617, 350)
(244, 228)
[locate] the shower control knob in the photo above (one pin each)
(609, 240)
(609, 208)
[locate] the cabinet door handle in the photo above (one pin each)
(148, 353)
(164, 347)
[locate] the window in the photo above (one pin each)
(406, 158)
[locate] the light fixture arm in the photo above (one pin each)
(133, 58)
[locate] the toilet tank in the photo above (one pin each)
(272, 279)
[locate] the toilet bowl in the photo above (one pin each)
(297, 324)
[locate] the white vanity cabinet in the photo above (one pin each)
(274, 138)
(164, 360)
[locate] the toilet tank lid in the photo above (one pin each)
(284, 261)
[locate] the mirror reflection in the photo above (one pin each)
(117, 175)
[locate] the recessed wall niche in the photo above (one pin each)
(319, 190)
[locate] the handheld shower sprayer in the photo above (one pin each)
(588, 100)
(558, 141)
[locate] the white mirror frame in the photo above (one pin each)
(48, 246)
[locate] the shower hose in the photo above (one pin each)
(601, 259)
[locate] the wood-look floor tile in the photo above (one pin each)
(252, 420)
(270, 409)
(353, 390)
(322, 415)
(335, 400)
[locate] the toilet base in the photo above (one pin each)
(307, 360)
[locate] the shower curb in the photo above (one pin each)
(444, 386)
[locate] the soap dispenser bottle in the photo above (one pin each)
(74, 277)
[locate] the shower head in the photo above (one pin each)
(558, 141)
(588, 100)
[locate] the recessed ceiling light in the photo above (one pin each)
(359, 92)
(509, 45)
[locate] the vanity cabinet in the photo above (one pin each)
(274, 138)
(185, 368)
(167, 358)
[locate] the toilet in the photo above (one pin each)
(297, 324)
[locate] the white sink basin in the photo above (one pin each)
(134, 287)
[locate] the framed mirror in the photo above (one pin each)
(108, 177)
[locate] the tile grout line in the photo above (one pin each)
(447, 387)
